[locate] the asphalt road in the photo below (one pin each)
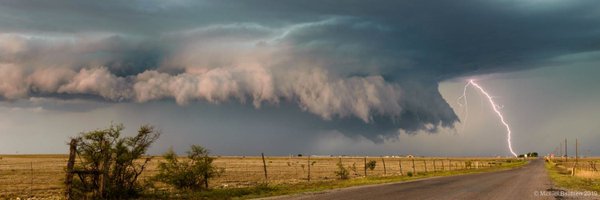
(519, 183)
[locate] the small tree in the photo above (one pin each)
(108, 168)
(342, 172)
(371, 165)
(532, 154)
(191, 173)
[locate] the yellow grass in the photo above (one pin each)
(585, 179)
(42, 175)
(585, 167)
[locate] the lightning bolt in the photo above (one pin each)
(466, 105)
(496, 108)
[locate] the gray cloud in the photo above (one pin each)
(378, 63)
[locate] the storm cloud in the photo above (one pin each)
(366, 68)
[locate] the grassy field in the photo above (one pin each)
(586, 178)
(42, 175)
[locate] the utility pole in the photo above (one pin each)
(560, 149)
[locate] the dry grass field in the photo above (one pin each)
(585, 178)
(41, 176)
(585, 167)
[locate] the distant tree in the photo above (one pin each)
(371, 164)
(191, 173)
(532, 154)
(104, 153)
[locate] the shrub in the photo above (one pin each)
(342, 172)
(192, 173)
(104, 153)
(354, 169)
(371, 164)
(410, 174)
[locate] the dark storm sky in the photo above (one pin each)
(296, 72)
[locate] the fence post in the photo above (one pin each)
(384, 169)
(413, 167)
(308, 168)
(105, 167)
(442, 165)
(31, 186)
(265, 167)
(206, 172)
(434, 168)
(425, 163)
(400, 165)
(576, 155)
(70, 165)
(566, 153)
(365, 166)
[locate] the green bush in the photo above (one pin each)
(106, 152)
(371, 164)
(410, 174)
(342, 172)
(192, 173)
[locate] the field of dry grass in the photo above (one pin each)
(585, 167)
(585, 178)
(42, 175)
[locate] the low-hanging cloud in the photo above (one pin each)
(313, 90)
(378, 63)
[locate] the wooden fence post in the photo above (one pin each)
(265, 167)
(425, 163)
(206, 172)
(31, 186)
(309, 168)
(70, 165)
(384, 169)
(434, 168)
(566, 153)
(442, 165)
(365, 166)
(105, 167)
(400, 165)
(576, 155)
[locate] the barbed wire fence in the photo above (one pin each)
(45, 176)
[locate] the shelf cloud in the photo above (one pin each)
(380, 64)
